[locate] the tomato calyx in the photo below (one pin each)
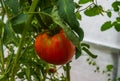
(52, 30)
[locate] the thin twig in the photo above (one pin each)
(86, 7)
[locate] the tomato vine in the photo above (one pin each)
(22, 20)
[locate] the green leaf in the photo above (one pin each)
(69, 33)
(18, 23)
(9, 35)
(66, 12)
(106, 25)
(27, 70)
(19, 19)
(118, 79)
(18, 28)
(78, 15)
(77, 54)
(116, 26)
(36, 77)
(77, 5)
(1, 77)
(84, 1)
(89, 53)
(109, 67)
(116, 5)
(118, 19)
(46, 5)
(47, 20)
(21, 74)
(13, 5)
(93, 10)
(109, 14)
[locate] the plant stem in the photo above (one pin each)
(1, 38)
(1, 48)
(27, 25)
(4, 9)
(68, 72)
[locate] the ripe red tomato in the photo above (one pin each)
(56, 49)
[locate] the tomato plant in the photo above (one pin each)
(22, 20)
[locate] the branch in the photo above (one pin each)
(27, 25)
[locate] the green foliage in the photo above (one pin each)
(78, 53)
(19, 19)
(24, 22)
(109, 14)
(1, 28)
(116, 23)
(18, 22)
(109, 24)
(84, 1)
(13, 6)
(93, 10)
(116, 26)
(46, 19)
(89, 53)
(116, 6)
(66, 11)
(106, 26)
(9, 35)
(69, 33)
(78, 15)
(27, 18)
(109, 67)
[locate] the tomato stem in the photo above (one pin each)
(27, 25)
(68, 72)
(1, 50)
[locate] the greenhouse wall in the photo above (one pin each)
(104, 44)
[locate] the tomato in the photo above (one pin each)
(56, 49)
(52, 70)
